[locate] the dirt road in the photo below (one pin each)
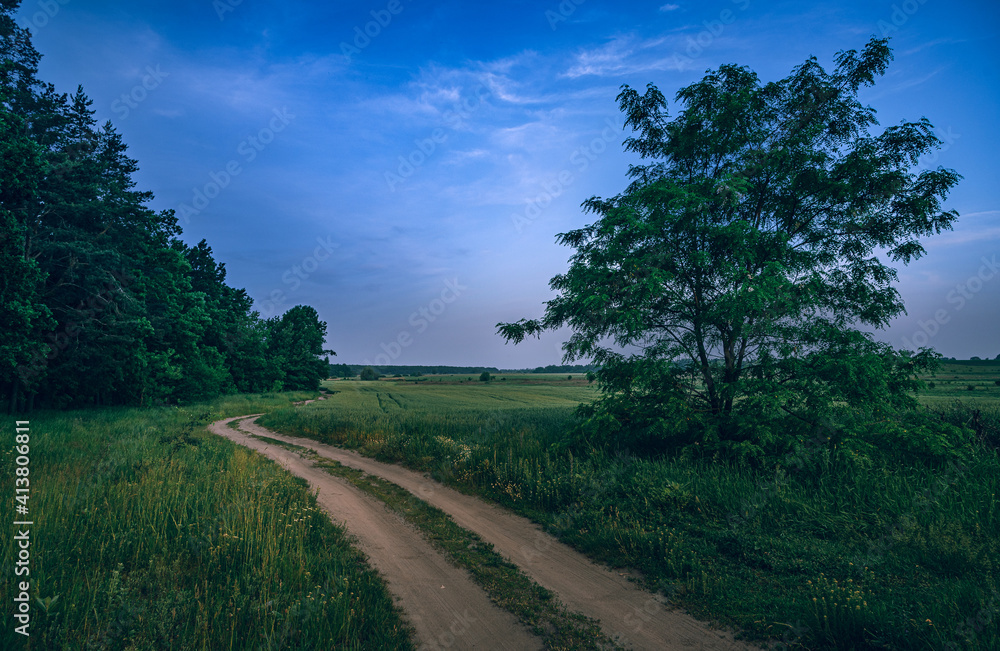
(628, 614)
(445, 607)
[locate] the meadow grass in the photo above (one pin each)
(151, 533)
(507, 586)
(823, 552)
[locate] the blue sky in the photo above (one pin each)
(404, 166)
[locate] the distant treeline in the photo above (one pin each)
(352, 370)
(552, 368)
(100, 302)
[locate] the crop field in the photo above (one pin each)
(151, 533)
(953, 381)
(830, 549)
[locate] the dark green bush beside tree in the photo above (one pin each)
(369, 374)
(742, 256)
(484, 376)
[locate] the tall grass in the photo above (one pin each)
(827, 551)
(151, 533)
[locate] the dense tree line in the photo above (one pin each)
(351, 370)
(100, 302)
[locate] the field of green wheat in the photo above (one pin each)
(826, 549)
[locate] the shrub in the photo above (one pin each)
(971, 387)
(907, 436)
(484, 376)
(931, 385)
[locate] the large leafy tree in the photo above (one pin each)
(296, 340)
(745, 256)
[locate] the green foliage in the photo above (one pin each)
(295, 341)
(369, 374)
(740, 258)
(484, 376)
(907, 521)
(100, 303)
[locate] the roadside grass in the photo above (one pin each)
(508, 587)
(151, 533)
(826, 551)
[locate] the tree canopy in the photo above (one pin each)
(743, 258)
(100, 302)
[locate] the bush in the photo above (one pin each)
(484, 376)
(971, 387)
(369, 374)
(931, 385)
(914, 437)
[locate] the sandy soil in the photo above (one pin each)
(445, 607)
(628, 614)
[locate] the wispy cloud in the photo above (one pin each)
(625, 55)
(935, 42)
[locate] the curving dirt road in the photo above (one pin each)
(633, 617)
(442, 603)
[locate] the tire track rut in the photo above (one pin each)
(444, 605)
(630, 615)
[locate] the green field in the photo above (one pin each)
(953, 379)
(825, 552)
(151, 533)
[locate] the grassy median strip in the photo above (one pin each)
(507, 586)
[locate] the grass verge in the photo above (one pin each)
(504, 582)
(151, 533)
(829, 550)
